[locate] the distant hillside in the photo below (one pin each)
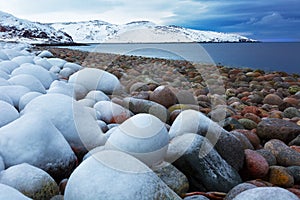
(19, 30)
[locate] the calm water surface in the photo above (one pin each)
(267, 56)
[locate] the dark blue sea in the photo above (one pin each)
(279, 56)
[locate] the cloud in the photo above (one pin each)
(261, 19)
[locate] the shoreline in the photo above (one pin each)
(250, 117)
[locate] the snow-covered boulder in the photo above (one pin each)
(12, 53)
(87, 102)
(4, 82)
(274, 193)
(111, 112)
(3, 56)
(96, 79)
(6, 98)
(33, 139)
(15, 92)
(97, 96)
(144, 136)
(29, 180)
(75, 67)
(115, 175)
(29, 81)
(65, 73)
(57, 62)
(42, 62)
(8, 113)
(45, 54)
(4, 75)
(25, 99)
(23, 59)
(72, 119)
(2, 165)
(7, 192)
(73, 90)
(37, 71)
(8, 66)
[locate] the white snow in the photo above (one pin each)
(6, 98)
(191, 121)
(8, 66)
(7, 192)
(97, 95)
(144, 136)
(139, 32)
(23, 59)
(15, 92)
(4, 75)
(37, 71)
(42, 62)
(115, 175)
(274, 193)
(73, 90)
(45, 54)
(110, 112)
(25, 99)
(29, 81)
(33, 139)
(71, 118)
(2, 165)
(19, 30)
(8, 113)
(57, 62)
(96, 79)
(29, 180)
(4, 82)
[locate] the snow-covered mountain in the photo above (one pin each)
(13, 29)
(140, 32)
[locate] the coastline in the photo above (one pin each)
(253, 114)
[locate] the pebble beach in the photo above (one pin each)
(87, 125)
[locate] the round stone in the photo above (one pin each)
(115, 175)
(7, 192)
(144, 136)
(280, 176)
(8, 113)
(272, 99)
(31, 181)
(274, 193)
(164, 96)
(256, 165)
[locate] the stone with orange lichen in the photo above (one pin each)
(280, 176)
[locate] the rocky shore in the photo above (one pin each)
(102, 126)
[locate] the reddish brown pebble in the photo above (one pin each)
(256, 164)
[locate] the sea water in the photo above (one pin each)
(277, 56)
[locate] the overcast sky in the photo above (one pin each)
(266, 20)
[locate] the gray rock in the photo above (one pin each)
(195, 156)
(267, 154)
(114, 175)
(291, 112)
(227, 145)
(248, 124)
(295, 172)
(259, 193)
(285, 156)
(272, 128)
(29, 180)
(246, 144)
(172, 177)
(238, 189)
(145, 106)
